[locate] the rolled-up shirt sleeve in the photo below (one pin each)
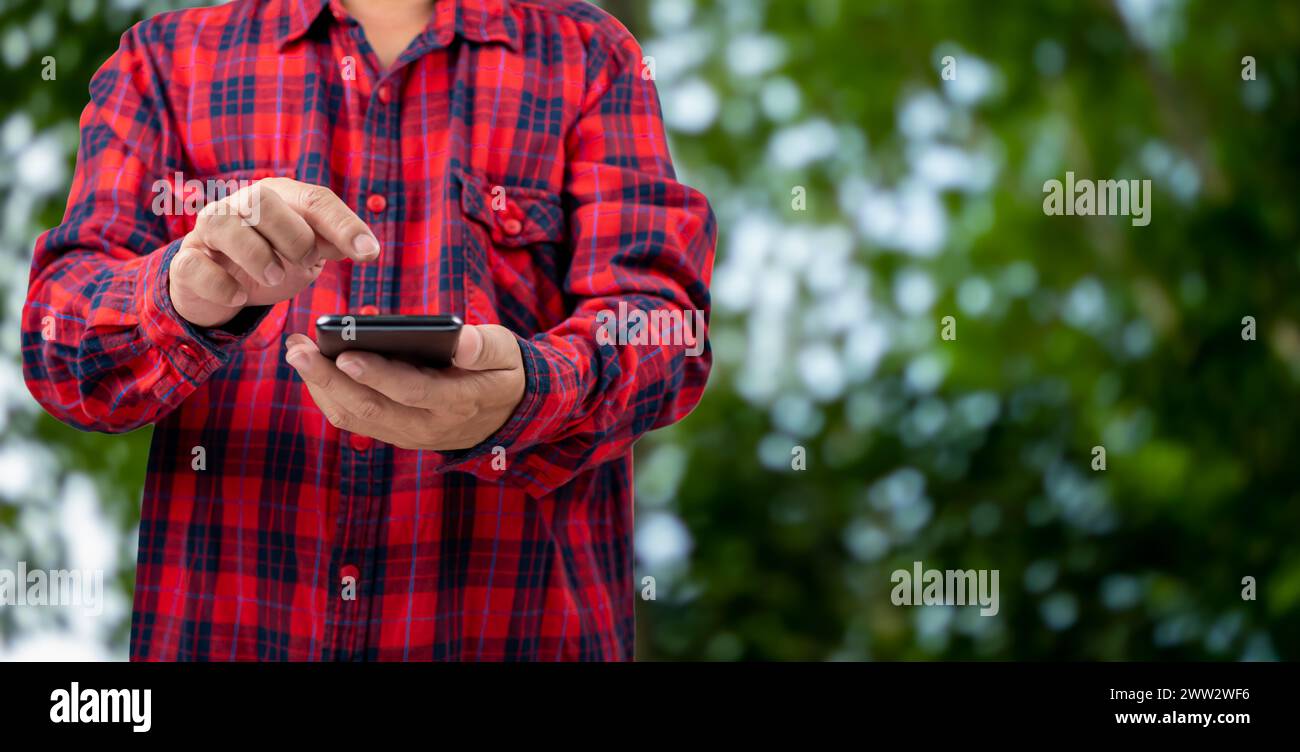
(103, 347)
(634, 354)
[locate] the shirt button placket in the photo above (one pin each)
(362, 457)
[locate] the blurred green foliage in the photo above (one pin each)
(923, 200)
(1072, 332)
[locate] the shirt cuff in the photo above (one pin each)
(194, 351)
(539, 416)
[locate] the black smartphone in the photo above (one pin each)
(420, 340)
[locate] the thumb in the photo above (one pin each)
(486, 348)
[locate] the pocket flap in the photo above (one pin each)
(514, 216)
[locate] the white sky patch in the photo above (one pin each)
(780, 99)
(975, 295)
(753, 55)
(744, 261)
(46, 647)
(834, 266)
(1085, 306)
(914, 291)
(40, 166)
(864, 348)
(691, 106)
(819, 367)
(677, 55)
(796, 147)
(925, 373)
(946, 167)
(975, 81)
(671, 15)
(26, 470)
(795, 414)
(1154, 23)
(910, 219)
(923, 116)
(662, 540)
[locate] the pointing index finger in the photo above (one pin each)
(332, 220)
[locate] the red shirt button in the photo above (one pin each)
(187, 351)
(349, 570)
(511, 226)
(359, 442)
(369, 310)
(376, 203)
(385, 94)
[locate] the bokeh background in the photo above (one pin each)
(923, 200)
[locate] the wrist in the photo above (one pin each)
(200, 314)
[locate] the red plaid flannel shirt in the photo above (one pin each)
(513, 165)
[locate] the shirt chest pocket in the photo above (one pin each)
(514, 242)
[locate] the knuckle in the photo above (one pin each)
(208, 278)
(465, 395)
(270, 188)
(184, 264)
(223, 284)
(302, 241)
(215, 231)
(465, 411)
(338, 418)
(249, 195)
(343, 218)
(418, 392)
(217, 212)
(246, 205)
(454, 411)
(263, 195)
(425, 437)
(369, 409)
(313, 196)
(319, 381)
(203, 222)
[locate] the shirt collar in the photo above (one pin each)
(480, 21)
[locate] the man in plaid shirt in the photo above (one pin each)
(503, 160)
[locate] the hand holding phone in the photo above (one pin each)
(415, 407)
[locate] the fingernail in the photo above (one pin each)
(296, 357)
(366, 246)
(350, 367)
(240, 298)
(273, 274)
(311, 259)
